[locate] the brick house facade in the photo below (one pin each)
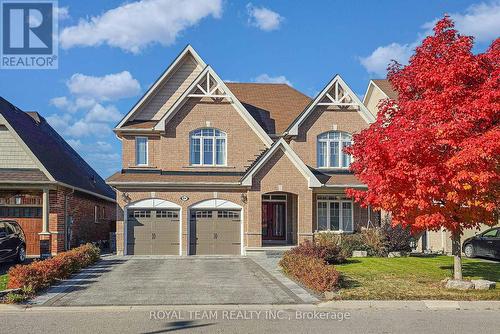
(234, 167)
(58, 205)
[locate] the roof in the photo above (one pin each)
(22, 175)
(385, 86)
(273, 106)
(166, 177)
(59, 159)
(339, 179)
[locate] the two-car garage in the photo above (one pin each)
(154, 227)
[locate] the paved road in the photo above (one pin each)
(174, 281)
(69, 320)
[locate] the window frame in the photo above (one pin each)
(137, 138)
(201, 140)
(329, 200)
(340, 145)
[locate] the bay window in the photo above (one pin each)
(207, 147)
(334, 214)
(330, 150)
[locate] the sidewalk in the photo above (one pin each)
(344, 305)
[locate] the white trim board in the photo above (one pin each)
(293, 130)
(294, 158)
(160, 80)
(234, 101)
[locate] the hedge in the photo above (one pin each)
(41, 274)
(311, 271)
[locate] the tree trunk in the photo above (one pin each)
(457, 256)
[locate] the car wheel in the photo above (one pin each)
(469, 250)
(21, 254)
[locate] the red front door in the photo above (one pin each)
(273, 220)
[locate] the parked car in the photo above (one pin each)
(12, 241)
(485, 244)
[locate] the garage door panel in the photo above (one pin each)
(151, 232)
(216, 232)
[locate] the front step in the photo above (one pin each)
(269, 251)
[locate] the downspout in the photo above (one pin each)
(67, 242)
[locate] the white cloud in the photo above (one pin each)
(99, 113)
(265, 78)
(109, 87)
(480, 20)
(82, 128)
(378, 61)
(136, 25)
(264, 18)
(62, 13)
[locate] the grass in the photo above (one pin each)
(413, 278)
(3, 282)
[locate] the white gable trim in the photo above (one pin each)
(26, 148)
(153, 203)
(363, 111)
(283, 145)
(160, 80)
(372, 83)
(160, 126)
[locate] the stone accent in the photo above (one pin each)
(394, 254)
(359, 253)
(459, 284)
(482, 284)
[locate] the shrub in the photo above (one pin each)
(330, 253)
(313, 272)
(41, 274)
(397, 238)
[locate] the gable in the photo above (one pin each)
(336, 96)
(280, 150)
(378, 89)
(167, 93)
(12, 153)
(167, 88)
(206, 88)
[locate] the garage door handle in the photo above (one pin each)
(153, 235)
(215, 235)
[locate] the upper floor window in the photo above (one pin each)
(330, 149)
(141, 151)
(207, 147)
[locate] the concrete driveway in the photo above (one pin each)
(171, 281)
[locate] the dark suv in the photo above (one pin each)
(12, 241)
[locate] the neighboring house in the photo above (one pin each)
(56, 197)
(211, 167)
(428, 241)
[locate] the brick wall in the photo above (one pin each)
(322, 120)
(171, 150)
(80, 207)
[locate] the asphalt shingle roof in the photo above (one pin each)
(56, 155)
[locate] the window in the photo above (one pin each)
(203, 214)
(207, 147)
(141, 151)
(491, 234)
(166, 214)
(140, 213)
(96, 213)
(228, 214)
(334, 214)
(330, 150)
(20, 212)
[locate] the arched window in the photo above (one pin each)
(330, 150)
(207, 147)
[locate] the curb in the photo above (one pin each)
(421, 305)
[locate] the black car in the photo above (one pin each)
(12, 241)
(485, 244)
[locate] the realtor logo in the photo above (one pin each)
(29, 35)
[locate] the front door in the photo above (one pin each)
(273, 220)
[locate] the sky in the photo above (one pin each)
(111, 51)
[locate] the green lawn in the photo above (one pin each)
(412, 278)
(3, 282)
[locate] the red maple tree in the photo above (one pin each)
(432, 158)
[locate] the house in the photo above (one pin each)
(56, 197)
(211, 167)
(428, 241)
